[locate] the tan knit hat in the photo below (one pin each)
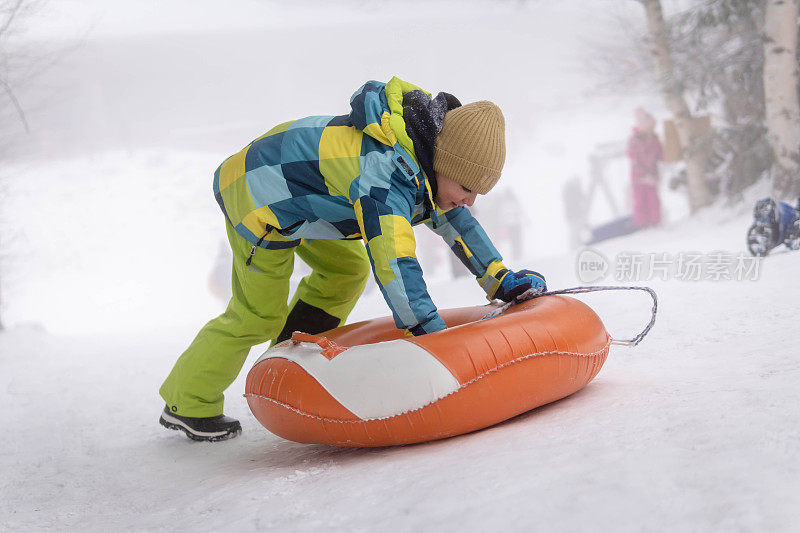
(471, 147)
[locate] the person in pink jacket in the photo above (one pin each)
(644, 151)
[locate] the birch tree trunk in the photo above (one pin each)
(688, 132)
(781, 78)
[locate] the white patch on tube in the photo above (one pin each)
(374, 380)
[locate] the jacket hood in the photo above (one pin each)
(377, 110)
(424, 118)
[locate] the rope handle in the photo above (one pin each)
(534, 293)
(329, 348)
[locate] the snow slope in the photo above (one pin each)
(695, 429)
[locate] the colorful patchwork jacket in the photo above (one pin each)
(353, 177)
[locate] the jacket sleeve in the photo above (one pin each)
(383, 214)
(468, 240)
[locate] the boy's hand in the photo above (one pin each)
(431, 326)
(514, 284)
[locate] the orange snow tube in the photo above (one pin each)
(367, 385)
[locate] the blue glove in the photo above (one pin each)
(513, 284)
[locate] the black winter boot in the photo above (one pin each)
(308, 319)
(210, 429)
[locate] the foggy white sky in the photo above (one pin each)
(102, 18)
(211, 75)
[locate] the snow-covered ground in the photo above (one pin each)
(695, 429)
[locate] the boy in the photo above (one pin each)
(318, 187)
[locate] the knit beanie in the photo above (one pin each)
(471, 148)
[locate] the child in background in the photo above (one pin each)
(644, 151)
(343, 192)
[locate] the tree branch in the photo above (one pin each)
(13, 13)
(18, 107)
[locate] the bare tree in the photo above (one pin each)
(781, 79)
(12, 114)
(11, 13)
(672, 90)
(717, 47)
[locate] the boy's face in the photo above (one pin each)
(451, 194)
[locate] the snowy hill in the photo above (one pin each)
(695, 429)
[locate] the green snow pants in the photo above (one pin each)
(257, 313)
